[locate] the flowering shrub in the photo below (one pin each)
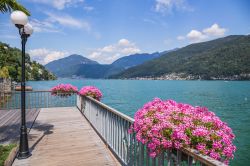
(167, 124)
(63, 90)
(92, 92)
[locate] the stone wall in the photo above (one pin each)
(5, 85)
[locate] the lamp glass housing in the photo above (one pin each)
(28, 29)
(19, 18)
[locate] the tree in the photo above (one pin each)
(4, 73)
(9, 5)
(10, 59)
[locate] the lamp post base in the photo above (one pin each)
(24, 146)
(23, 155)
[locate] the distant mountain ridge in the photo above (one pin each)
(79, 66)
(59, 66)
(134, 60)
(223, 58)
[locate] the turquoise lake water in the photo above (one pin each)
(230, 100)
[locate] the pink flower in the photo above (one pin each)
(92, 92)
(217, 145)
(167, 144)
(200, 131)
(152, 154)
(164, 125)
(201, 146)
(63, 90)
(151, 146)
(215, 155)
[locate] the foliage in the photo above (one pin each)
(63, 90)
(166, 125)
(9, 5)
(92, 92)
(4, 72)
(222, 57)
(10, 62)
(4, 152)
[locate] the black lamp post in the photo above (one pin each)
(20, 20)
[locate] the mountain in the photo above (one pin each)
(137, 59)
(224, 58)
(134, 60)
(10, 65)
(65, 66)
(77, 65)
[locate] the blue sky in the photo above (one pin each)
(105, 30)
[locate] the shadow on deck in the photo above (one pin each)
(10, 121)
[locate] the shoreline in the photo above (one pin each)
(184, 76)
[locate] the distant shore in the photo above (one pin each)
(174, 76)
(183, 76)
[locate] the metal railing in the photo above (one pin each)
(112, 126)
(35, 99)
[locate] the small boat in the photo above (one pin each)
(27, 88)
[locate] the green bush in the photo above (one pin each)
(4, 152)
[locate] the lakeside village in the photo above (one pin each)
(184, 76)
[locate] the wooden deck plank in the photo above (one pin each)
(10, 124)
(62, 136)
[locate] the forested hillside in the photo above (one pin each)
(224, 58)
(10, 65)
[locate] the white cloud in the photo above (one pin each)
(112, 52)
(124, 42)
(44, 56)
(214, 30)
(180, 37)
(167, 6)
(88, 8)
(43, 26)
(196, 36)
(67, 20)
(60, 4)
(53, 22)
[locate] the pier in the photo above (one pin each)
(63, 135)
(78, 130)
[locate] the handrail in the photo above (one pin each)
(35, 99)
(117, 125)
(126, 117)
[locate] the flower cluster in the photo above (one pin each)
(63, 90)
(92, 92)
(163, 125)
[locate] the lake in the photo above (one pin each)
(230, 100)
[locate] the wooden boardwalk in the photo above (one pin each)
(61, 137)
(10, 121)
